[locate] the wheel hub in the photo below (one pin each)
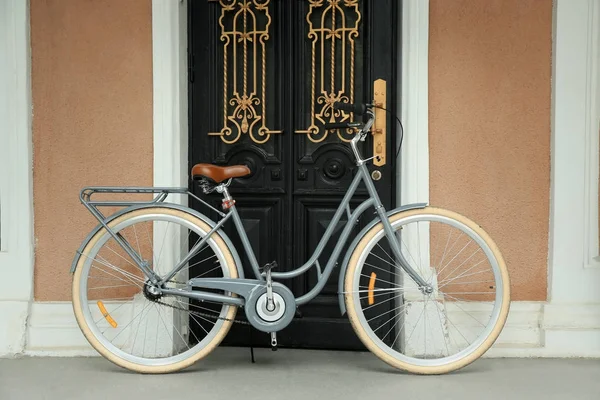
(152, 292)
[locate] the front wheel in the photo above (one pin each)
(431, 331)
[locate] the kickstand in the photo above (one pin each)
(251, 347)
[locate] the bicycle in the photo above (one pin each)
(138, 305)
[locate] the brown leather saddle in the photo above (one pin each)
(219, 174)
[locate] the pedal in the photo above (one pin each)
(273, 341)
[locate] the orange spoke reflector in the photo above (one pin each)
(372, 287)
(106, 315)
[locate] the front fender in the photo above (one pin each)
(357, 239)
(204, 218)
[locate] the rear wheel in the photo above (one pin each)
(125, 318)
(420, 332)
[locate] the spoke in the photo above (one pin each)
(152, 247)
(442, 328)
(446, 247)
(164, 324)
(125, 327)
(199, 324)
(381, 280)
(381, 269)
(458, 330)
(467, 283)
(181, 337)
(419, 245)
(452, 247)
(383, 324)
(445, 281)
(102, 317)
(461, 264)
(162, 245)
(137, 241)
(117, 269)
(386, 253)
(200, 262)
(453, 258)
(129, 275)
(415, 327)
(109, 287)
(187, 239)
(375, 304)
(145, 333)
(386, 312)
(116, 277)
(211, 270)
(119, 255)
(376, 290)
(106, 278)
(448, 280)
(449, 293)
(138, 328)
(470, 315)
(378, 294)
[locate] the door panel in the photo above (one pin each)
(263, 77)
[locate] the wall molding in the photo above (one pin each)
(16, 255)
(413, 173)
(592, 130)
(533, 329)
(573, 236)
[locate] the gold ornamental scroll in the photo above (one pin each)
(244, 33)
(333, 30)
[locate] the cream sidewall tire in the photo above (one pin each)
(363, 335)
(159, 369)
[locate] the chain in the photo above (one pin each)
(199, 313)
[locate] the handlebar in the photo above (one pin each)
(358, 109)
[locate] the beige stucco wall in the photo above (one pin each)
(489, 92)
(92, 119)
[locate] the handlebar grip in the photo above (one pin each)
(337, 125)
(358, 109)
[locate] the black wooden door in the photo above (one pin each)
(263, 76)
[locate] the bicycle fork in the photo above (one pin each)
(414, 275)
(389, 233)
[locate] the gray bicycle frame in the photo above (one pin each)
(323, 276)
(231, 285)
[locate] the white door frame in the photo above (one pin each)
(574, 269)
(16, 254)
(169, 44)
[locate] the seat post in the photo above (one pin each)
(228, 201)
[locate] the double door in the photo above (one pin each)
(263, 76)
